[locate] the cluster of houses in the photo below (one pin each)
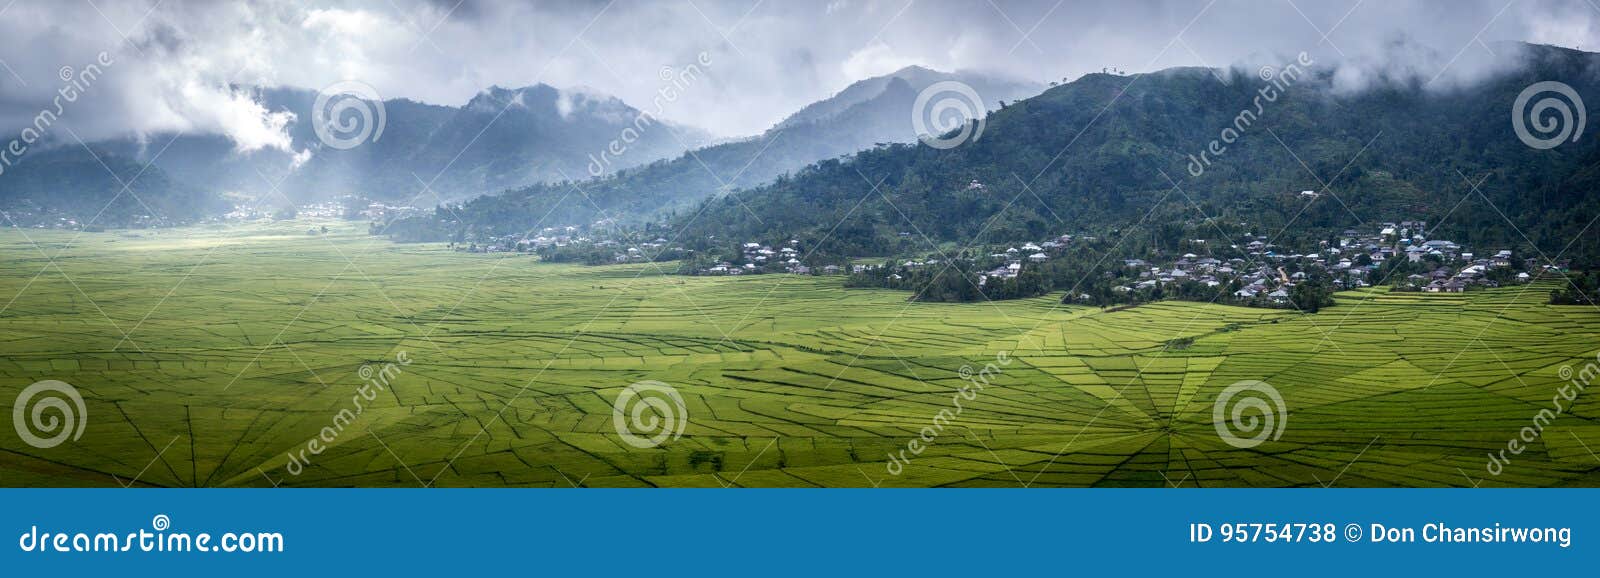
(339, 207)
(385, 212)
(343, 206)
(563, 236)
(48, 219)
(325, 210)
(1015, 256)
(1453, 267)
(37, 220)
(1256, 270)
(594, 237)
(1472, 271)
(759, 258)
(1259, 271)
(636, 253)
(1011, 260)
(1265, 272)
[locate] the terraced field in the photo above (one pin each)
(207, 356)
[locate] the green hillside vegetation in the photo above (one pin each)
(1097, 154)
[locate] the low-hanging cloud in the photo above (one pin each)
(194, 66)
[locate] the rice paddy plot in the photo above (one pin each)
(237, 356)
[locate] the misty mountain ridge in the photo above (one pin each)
(518, 137)
(866, 114)
(501, 138)
(918, 78)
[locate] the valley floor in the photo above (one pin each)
(206, 355)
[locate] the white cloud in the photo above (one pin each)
(236, 114)
(187, 56)
(875, 60)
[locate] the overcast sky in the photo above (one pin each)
(176, 59)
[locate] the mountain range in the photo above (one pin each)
(502, 138)
(865, 114)
(1103, 153)
(520, 144)
(1111, 153)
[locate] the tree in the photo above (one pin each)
(1310, 297)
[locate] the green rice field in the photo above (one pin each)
(208, 356)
